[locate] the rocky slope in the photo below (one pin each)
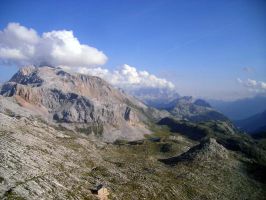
(80, 100)
(44, 161)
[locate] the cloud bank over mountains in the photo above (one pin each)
(20, 46)
(253, 85)
(127, 77)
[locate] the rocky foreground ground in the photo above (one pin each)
(42, 161)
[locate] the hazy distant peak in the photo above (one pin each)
(201, 102)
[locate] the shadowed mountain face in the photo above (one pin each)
(191, 131)
(198, 131)
(253, 124)
(79, 100)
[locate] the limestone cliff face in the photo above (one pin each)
(77, 99)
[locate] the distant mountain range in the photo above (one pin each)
(184, 108)
(197, 110)
(155, 97)
(253, 124)
(247, 112)
(242, 108)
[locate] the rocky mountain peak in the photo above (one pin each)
(26, 76)
(25, 71)
(83, 100)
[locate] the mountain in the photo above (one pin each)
(78, 100)
(242, 108)
(185, 107)
(70, 136)
(192, 109)
(155, 97)
(255, 123)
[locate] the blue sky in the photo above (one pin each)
(202, 46)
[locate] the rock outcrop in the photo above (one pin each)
(207, 150)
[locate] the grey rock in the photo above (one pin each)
(80, 100)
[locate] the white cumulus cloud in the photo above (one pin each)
(20, 45)
(253, 85)
(127, 77)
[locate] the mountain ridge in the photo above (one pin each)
(191, 109)
(241, 108)
(78, 99)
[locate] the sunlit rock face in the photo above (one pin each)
(78, 99)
